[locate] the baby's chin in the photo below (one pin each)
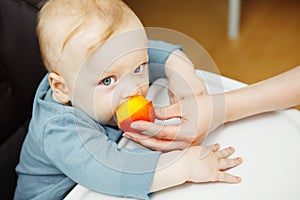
(112, 122)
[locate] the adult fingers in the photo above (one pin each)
(159, 130)
(168, 112)
(156, 143)
(169, 132)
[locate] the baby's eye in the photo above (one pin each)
(109, 81)
(139, 68)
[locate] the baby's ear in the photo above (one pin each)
(59, 88)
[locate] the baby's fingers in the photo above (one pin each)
(225, 153)
(229, 163)
(227, 178)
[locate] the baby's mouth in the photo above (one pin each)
(134, 109)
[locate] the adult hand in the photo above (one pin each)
(199, 114)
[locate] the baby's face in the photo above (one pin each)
(116, 71)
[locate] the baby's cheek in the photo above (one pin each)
(104, 112)
(105, 118)
(145, 89)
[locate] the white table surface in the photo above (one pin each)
(269, 145)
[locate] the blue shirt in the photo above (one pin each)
(64, 146)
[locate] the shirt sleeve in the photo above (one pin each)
(80, 149)
(159, 52)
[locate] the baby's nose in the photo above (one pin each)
(131, 92)
(129, 87)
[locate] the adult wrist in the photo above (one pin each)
(228, 108)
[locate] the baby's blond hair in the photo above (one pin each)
(77, 16)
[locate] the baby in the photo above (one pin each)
(96, 53)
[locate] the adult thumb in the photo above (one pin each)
(168, 112)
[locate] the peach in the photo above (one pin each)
(134, 109)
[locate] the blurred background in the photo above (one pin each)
(268, 42)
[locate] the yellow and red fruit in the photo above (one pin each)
(134, 109)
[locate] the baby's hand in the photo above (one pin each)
(209, 163)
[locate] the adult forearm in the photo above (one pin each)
(279, 92)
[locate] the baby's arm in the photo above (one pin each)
(183, 80)
(279, 92)
(168, 61)
(196, 164)
(89, 158)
